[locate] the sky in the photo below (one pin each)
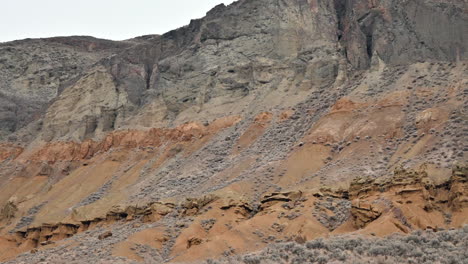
(110, 19)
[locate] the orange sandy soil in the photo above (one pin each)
(85, 167)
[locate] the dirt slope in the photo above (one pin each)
(263, 122)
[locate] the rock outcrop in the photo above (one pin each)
(35, 72)
(408, 190)
(458, 198)
(258, 47)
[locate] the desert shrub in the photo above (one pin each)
(289, 246)
(298, 251)
(315, 244)
(298, 260)
(352, 243)
(322, 259)
(444, 236)
(360, 250)
(417, 253)
(434, 243)
(447, 247)
(413, 238)
(310, 256)
(336, 245)
(252, 259)
(338, 255)
(452, 260)
(379, 250)
(465, 229)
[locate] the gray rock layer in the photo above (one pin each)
(250, 56)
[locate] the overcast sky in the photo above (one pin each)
(111, 19)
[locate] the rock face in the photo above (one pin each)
(408, 189)
(458, 187)
(233, 57)
(265, 121)
(35, 72)
(399, 32)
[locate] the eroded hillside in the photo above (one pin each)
(263, 122)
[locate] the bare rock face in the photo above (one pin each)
(233, 56)
(402, 32)
(221, 63)
(34, 72)
(459, 187)
(410, 188)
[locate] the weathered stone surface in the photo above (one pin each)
(459, 187)
(33, 72)
(105, 235)
(206, 68)
(400, 32)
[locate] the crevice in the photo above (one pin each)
(149, 74)
(370, 45)
(340, 9)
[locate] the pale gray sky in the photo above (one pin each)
(111, 19)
